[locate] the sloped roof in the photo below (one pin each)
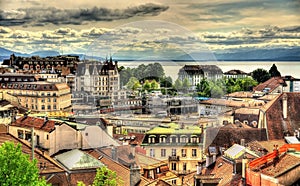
(37, 123)
(236, 151)
(45, 163)
(213, 69)
(272, 83)
(76, 159)
(285, 163)
(122, 171)
(235, 72)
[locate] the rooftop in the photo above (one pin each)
(173, 128)
(37, 123)
(76, 159)
(271, 84)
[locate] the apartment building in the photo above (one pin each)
(180, 145)
(98, 78)
(62, 65)
(195, 73)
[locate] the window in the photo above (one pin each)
(49, 100)
(184, 167)
(163, 152)
(183, 139)
(173, 152)
(183, 152)
(43, 107)
(27, 135)
(162, 139)
(54, 99)
(194, 139)
(20, 134)
(174, 182)
(152, 153)
(43, 100)
(54, 107)
(49, 107)
(173, 166)
(194, 152)
(173, 139)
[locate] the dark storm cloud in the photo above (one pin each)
(41, 16)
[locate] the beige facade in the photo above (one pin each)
(40, 96)
(180, 146)
(53, 136)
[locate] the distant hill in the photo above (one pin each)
(45, 53)
(277, 54)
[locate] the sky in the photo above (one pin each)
(140, 28)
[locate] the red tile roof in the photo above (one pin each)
(285, 162)
(37, 123)
(272, 83)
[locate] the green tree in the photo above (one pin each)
(133, 84)
(154, 84)
(147, 85)
(166, 82)
(274, 71)
(125, 75)
(178, 84)
(260, 75)
(186, 85)
(106, 177)
(203, 88)
(16, 167)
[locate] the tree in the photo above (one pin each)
(178, 84)
(105, 177)
(186, 84)
(133, 83)
(260, 75)
(16, 168)
(203, 88)
(274, 71)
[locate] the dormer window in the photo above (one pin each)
(151, 139)
(163, 139)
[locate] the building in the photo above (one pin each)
(98, 78)
(274, 85)
(52, 136)
(8, 112)
(293, 84)
(195, 73)
(235, 74)
(62, 65)
(280, 167)
(54, 173)
(40, 96)
(79, 165)
(180, 145)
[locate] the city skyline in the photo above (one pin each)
(144, 27)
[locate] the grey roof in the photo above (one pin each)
(76, 159)
(292, 140)
(196, 69)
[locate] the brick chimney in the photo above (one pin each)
(135, 176)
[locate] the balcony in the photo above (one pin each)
(174, 158)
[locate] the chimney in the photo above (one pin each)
(298, 134)
(199, 168)
(243, 142)
(132, 149)
(135, 176)
(276, 158)
(114, 153)
(284, 105)
(244, 166)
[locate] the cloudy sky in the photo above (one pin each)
(157, 27)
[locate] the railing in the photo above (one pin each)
(174, 158)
